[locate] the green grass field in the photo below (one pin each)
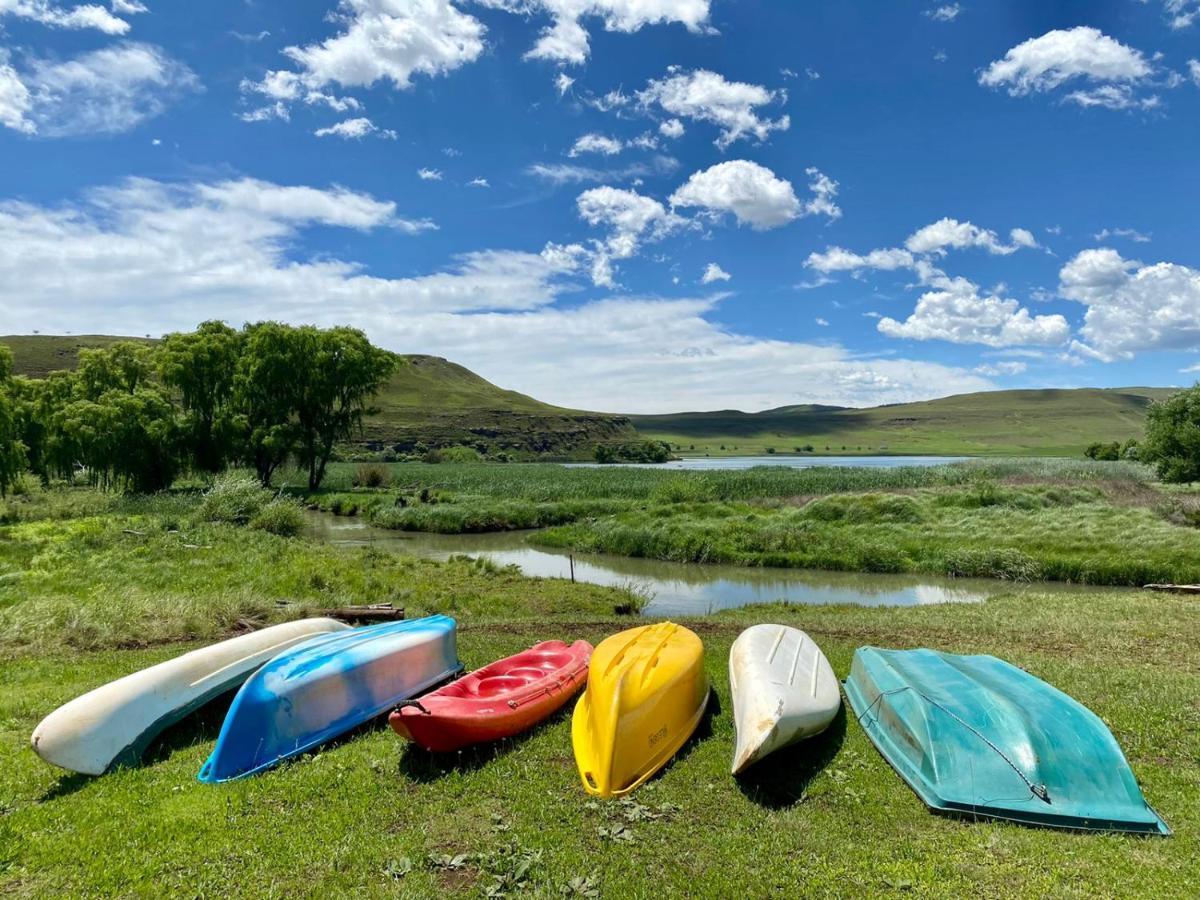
(997, 423)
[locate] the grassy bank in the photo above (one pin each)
(85, 570)
(372, 817)
(1083, 522)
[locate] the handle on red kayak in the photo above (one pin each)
(417, 704)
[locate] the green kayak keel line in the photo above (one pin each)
(976, 736)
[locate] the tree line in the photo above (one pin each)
(133, 416)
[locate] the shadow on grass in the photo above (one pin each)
(425, 767)
(780, 780)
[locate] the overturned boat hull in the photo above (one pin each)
(647, 691)
(112, 725)
(783, 690)
(327, 686)
(977, 736)
(500, 700)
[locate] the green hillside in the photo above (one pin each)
(429, 401)
(1008, 423)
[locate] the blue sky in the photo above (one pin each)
(629, 205)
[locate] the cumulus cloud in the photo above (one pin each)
(951, 309)
(673, 128)
(596, 143)
(960, 314)
(355, 129)
(1194, 71)
(562, 83)
(86, 15)
(566, 40)
(754, 194)
(1132, 306)
(106, 91)
(382, 40)
(1004, 367)
(1131, 234)
(706, 96)
(713, 272)
(630, 218)
(478, 182)
(951, 233)
(1111, 71)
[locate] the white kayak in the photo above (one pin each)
(114, 724)
(784, 690)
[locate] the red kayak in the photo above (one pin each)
(497, 701)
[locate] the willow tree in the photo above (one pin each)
(342, 373)
(200, 367)
(12, 450)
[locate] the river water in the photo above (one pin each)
(678, 589)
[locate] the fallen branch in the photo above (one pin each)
(1174, 588)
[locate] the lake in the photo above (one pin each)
(712, 463)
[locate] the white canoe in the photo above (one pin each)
(784, 690)
(114, 724)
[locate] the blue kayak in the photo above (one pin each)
(974, 735)
(325, 687)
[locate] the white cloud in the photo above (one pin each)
(947, 232)
(707, 97)
(673, 128)
(562, 83)
(566, 173)
(566, 40)
(1194, 71)
(824, 323)
(1132, 306)
(1195, 367)
(429, 174)
(15, 101)
(102, 92)
(596, 143)
(382, 40)
(630, 218)
(947, 13)
(824, 191)
(478, 182)
(958, 313)
(1045, 63)
(752, 193)
(1005, 367)
(713, 272)
(128, 7)
(838, 259)
(148, 257)
(86, 15)
(1181, 13)
(355, 129)
(1130, 233)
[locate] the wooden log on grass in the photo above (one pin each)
(1174, 588)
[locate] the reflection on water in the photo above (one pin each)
(677, 588)
(707, 463)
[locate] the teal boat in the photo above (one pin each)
(976, 736)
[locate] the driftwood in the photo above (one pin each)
(376, 612)
(1174, 588)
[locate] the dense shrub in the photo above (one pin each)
(234, 499)
(281, 516)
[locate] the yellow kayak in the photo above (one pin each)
(646, 694)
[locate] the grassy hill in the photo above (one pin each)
(429, 401)
(1017, 423)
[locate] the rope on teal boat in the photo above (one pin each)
(1038, 790)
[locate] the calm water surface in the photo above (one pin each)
(709, 463)
(677, 588)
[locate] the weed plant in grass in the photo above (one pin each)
(372, 816)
